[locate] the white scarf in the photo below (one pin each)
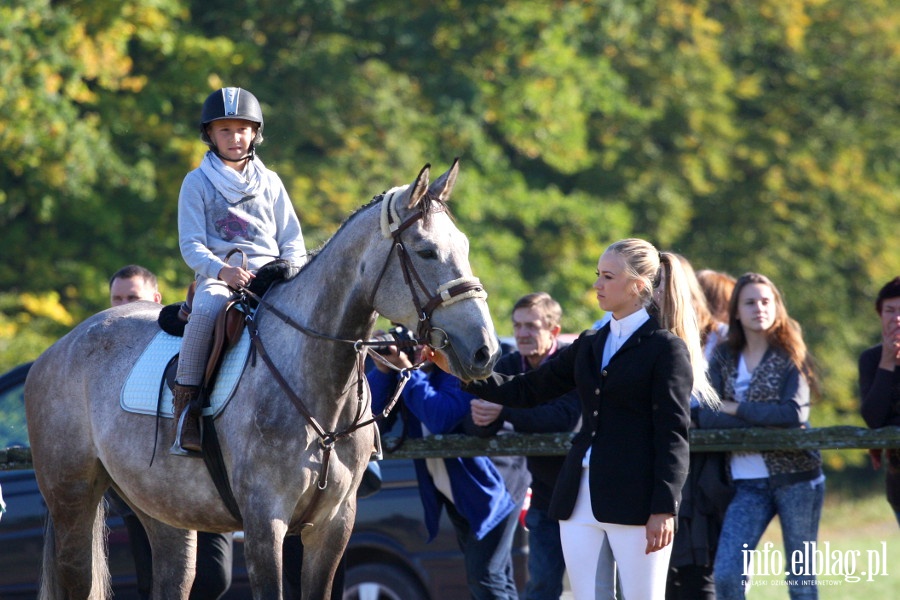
(234, 186)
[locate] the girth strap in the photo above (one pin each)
(215, 464)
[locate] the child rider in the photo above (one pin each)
(230, 201)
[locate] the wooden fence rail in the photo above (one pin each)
(549, 444)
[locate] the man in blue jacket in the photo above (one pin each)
(482, 496)
(536, 326)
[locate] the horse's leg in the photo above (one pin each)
(78, 521)
(323, 548)
(263, 540)
(174, 558)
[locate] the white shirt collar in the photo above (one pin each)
(619, 331)
(623, 329)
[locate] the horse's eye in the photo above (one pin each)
(427, 254)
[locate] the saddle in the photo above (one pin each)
(227, 331)
(230, 322)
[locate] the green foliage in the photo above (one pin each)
(29, 324)
(80, 190)
(746, 135)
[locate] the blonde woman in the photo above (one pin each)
(621, 481)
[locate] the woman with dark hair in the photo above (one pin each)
(879, 385)
(717, 287)
(763, 374)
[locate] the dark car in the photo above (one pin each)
(387, 557)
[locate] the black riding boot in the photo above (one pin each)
(187, 419)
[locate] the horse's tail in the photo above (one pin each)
(102, 588)
(51, 586)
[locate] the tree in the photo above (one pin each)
(746, 135)
(80, 194)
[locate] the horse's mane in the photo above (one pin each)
(430, 204)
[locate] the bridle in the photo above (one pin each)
(446, 294)
(426, 334)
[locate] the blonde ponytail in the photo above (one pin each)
(661, 272)
(678, 316)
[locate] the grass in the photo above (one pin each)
(857, 522)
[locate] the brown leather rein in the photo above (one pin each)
(426, 334)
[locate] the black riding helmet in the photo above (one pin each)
(231, 103)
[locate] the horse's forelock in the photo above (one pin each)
(429, 205)
(432, 204)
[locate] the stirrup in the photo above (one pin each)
(176, 448)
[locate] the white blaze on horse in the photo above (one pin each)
(400, 256)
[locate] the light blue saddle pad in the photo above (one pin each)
(141, 390)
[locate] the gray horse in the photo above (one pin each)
(400, 256)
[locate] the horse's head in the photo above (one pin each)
(427, 283)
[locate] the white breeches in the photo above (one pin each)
(643, 576)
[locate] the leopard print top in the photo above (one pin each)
(765, 386)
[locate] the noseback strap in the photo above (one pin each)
(454, 291)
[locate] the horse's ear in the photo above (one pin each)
(418, 189)
(443, 186)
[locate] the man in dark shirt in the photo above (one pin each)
(879, 385)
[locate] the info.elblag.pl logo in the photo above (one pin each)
(829, 566)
